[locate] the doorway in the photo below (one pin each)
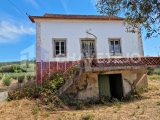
(110, 85)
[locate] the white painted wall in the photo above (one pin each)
(73, 30)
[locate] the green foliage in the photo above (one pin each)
(1, 76)
(35, 110)
(153, 77)
(29, 77)
(151, 72)
(1, 70)
(144, 12)
(87, 117)
(7, 68)
(46, 93)
(9, 98)
(87, 104)
(14, 76)
(79, 106)
(27, 65)
(34, 76)
(21, 78)
(7, 81)
(158, 102)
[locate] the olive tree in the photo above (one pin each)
(143, 12)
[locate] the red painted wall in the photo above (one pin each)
(43, 68)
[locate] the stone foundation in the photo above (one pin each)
(86, 87)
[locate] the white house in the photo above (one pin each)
(111, 60)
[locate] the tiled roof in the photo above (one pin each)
(80, 17)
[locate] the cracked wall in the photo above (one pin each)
(86, 87)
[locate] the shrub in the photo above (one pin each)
(14, 76)
(1, 70)
(7, 81)
(29, 76)
(151, 72)
(21, 78)
(34, 77)
(1, 76)
(7, 68)
(79, 106)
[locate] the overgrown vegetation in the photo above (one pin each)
(29, 77)
(46, 93)
(154, 71)
(1, 76)
(21, 78)
(154, 77)
(7, 81)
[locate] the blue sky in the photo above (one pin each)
(17, 32)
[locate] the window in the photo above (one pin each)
(115, 46)
(60, 48)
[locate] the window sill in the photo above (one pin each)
(116, 54)
(60, 56)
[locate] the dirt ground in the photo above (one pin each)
(14, 84)
(146, 109)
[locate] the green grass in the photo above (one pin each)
(87, 117)
(153, 77)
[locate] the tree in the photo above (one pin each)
(144, 12)
(27, 64)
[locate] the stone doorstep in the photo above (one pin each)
(3, 96)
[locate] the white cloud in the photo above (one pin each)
(12, 31)
(65, 6)
(34, 3)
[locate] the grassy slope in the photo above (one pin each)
(145, 109)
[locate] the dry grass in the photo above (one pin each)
(146, 109)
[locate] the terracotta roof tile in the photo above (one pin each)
(82, 17)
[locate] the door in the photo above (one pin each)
(104, 85)
(116, 85)
(88, 49)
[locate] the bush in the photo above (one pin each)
(7, 81)
(34, 77)
(79, 106)
(7, 68)
(151, 72)
(21, 78)
(29, 77)
(1, 76)
(14, 76)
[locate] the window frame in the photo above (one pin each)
(54, 47)
(120, 42)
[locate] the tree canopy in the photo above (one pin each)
(144, 12)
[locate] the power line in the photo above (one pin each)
(16, 7)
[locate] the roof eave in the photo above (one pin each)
(32, 18)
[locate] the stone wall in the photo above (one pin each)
(86, 87)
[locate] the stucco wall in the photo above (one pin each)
(86, 87)
(74, 30)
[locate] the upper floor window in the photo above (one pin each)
(60, 48)
(115, 46)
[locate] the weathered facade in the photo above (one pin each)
(99, 47)
(86, 87)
